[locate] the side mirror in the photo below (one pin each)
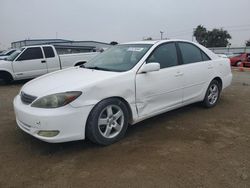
(150, 67)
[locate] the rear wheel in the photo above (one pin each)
(107, 122)
(212, 95)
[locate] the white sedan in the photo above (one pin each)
(124, 85)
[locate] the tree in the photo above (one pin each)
(248, 42)
(218, 38)
(200, 34)
(113, 43)
(214, 38)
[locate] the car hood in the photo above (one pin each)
(2, 61)
(3, 57)
(71, 79)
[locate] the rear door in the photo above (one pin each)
(197, 71)
(30, 63)
(52, 59)
(160, 90)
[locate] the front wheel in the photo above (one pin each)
(107, 122)
(6, 79)
(238, 64)
(212, 95)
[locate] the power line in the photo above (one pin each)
(238, 29)
(232, 26)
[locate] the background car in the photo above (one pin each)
(33, 61)
(6, 53)
(242, 58)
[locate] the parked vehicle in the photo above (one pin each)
(222, 55)
(6, 53)
(242, 58)
(34, 61)
(124, 85)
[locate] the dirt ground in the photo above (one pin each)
(189, 147)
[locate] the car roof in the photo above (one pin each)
(156, 41)
(42, 45)
(143, 42)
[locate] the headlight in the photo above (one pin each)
(56, 100)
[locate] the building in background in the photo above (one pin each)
(64, 46)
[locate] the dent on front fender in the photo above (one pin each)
(97, 93)
(122, 88)
(122, 85)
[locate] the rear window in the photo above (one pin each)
(49, 52)
(190, 53)
(205, 56)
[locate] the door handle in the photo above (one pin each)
(43, 61)
(210, 67)
(178, 74)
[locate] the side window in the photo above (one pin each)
(205, 56)
(31, 53)
(48, 51)
(165, 54)
(190, 53)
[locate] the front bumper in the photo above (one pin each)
(69, 121)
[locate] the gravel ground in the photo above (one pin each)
(188, 147)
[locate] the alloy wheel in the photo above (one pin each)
(213, 94)
(111, 121)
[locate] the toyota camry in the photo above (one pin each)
(125, 84)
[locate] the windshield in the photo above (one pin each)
(3, 53)
(7, 52)
(13, 56)
(119, 58)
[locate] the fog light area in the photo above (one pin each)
(48, 133)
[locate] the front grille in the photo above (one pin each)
(27, 99)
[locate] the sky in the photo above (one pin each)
(120, 20)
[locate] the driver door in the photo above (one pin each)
(30, 64)
(160, 90)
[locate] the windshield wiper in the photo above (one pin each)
(98, 68)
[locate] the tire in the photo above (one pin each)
(212, 95)
(238, 64)
(107, 122)
(7, 79)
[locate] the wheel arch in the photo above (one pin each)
(5, 74)
(130, 118)
(219, 80)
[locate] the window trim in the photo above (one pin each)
(178, 58)
(201, 51)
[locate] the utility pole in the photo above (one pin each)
(161, 32)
